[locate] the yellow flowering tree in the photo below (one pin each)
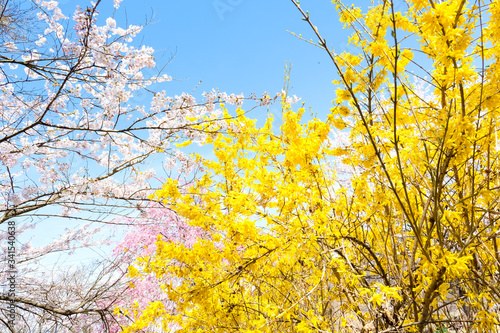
(409, 244)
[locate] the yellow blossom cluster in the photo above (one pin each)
(410, 244)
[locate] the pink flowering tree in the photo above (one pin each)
(140, 242)
(75, 144)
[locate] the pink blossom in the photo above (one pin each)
(50, 5)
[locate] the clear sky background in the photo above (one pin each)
(237, 46)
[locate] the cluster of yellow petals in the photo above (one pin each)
(410, 243)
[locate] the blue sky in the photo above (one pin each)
(237, 46)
